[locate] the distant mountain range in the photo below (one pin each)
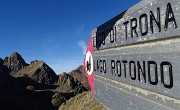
(36, 86)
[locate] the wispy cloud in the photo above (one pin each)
(50, 42)
(83, 46)
(80, 28)
(50, 45)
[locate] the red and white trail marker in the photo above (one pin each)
(88, 65)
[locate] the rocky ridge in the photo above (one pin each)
(38, 71)
(36, 86)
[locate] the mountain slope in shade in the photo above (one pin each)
(3, 68)
(38, 71)
(15, 62)
(6, 80)
(80, 75)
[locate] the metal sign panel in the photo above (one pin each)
(137, 57)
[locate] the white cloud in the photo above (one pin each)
(83, 46)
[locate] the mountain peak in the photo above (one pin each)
(15, 62)
(15, 54)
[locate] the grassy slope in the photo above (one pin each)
(83, 101)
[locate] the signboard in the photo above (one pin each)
(136, 57)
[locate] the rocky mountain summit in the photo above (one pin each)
(15, 62)
(36, 86)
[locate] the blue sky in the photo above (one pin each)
(56, 31)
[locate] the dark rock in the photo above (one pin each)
(15, 62)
